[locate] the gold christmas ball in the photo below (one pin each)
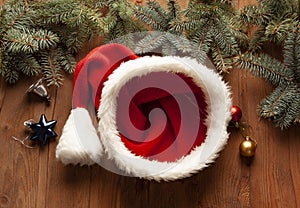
(248, 147)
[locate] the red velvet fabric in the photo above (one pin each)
(93, 70)
(162, 143)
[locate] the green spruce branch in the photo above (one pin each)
(41, 38)
(278, 23)
(32, 30)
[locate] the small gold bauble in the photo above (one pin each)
(248, 147)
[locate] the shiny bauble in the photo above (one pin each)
(39, 88)
(236, 113)
(248, 147)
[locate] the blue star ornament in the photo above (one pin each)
(42, 131)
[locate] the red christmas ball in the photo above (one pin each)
(236, 114)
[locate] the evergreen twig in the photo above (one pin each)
(42, 38)
(31, 30)
(278, 23)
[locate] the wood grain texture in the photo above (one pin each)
(33, 178)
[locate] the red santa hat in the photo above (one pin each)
(159, 118)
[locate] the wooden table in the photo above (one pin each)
(33, 178)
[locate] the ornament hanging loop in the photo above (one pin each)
(23, 142)
(29, 122)
(248, 138)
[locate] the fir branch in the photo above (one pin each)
(180, 43)
(74, 41)
(11, 76)
(203, 43)
(208, 10)
(29, 41)
(66, 60)
(120, 20)
(169, 50)
(297, 120)
(276, 31)
(43, 37)
(238, 30)
(150, 42)
(8, 64)
(278, 23)
(51, 69)
(28, 64)
(128, 40)
(159, 13)
(266, 67)
(153, 16)
(276, 8)
(30, 29)
(282, 106)
(209, 27)
(164, 22)
(257, 15)
(203, 38)
(257, 40)
(222, 63)
(16, 15)
(174, 10)
(224, 39)
(58, 11)
(292, 52)
(3, 62)
(187, 25)
(73, 21)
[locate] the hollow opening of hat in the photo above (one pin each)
(161, 116)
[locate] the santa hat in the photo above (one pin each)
(159, 117)
(79, 142)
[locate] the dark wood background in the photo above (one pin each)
(33, 178)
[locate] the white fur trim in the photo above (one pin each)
(218, 100)
(79, 142)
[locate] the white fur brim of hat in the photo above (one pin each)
(71, 149)
(219, 104)
(79, 142)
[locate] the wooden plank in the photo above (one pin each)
(2, 92)
(43, 157)
(271, 174)
(19, 165)
(33, 178)
(111, 190)
(294, 163)
(66, 186)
